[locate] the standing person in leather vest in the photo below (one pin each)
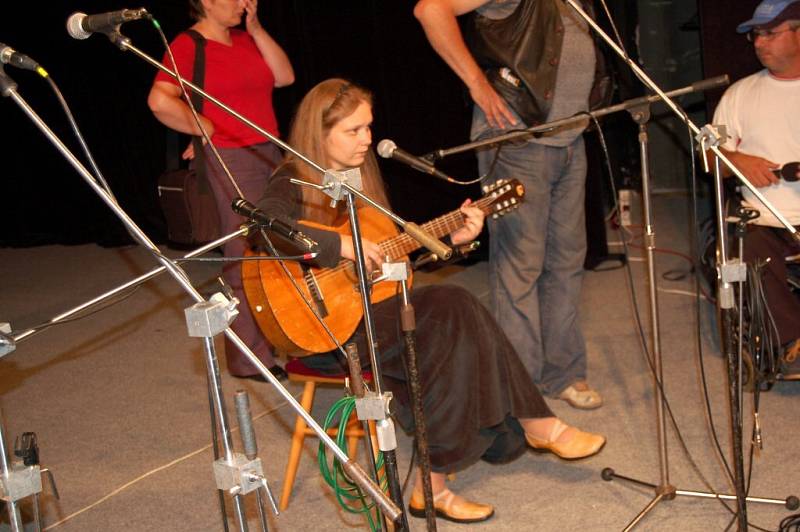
(530, 62)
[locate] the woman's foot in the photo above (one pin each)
(450, 506)
(564, 441)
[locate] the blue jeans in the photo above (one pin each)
(536, 260)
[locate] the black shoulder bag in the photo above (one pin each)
(184, 193)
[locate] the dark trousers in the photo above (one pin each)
(250, 166)
(762, 242)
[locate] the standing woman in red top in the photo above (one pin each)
(241, 70)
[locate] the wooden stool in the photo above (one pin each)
(299, 372)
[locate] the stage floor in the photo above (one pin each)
(119, 403)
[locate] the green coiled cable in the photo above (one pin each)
(348, 494)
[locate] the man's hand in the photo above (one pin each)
(756, 169)
(493, 106)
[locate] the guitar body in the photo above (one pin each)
(285, 318)
(281, 310)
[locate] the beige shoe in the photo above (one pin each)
(581, 445)
(580, 395)
(450, 506)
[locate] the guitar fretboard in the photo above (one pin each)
(403, 244)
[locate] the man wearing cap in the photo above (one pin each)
(762, 115)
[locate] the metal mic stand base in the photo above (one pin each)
(667, 492)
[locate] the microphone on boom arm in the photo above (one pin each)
(81, 26)
(389, 150)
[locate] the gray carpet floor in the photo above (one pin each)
(118, 401)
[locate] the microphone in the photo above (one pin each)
(248, 210)
(9, 56)
(389, 150)
(789, 171)
(81, 26)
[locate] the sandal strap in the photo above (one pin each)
(445, 497)
(557, 430)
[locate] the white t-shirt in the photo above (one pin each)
(762, 116)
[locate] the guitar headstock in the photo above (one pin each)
(502, 196)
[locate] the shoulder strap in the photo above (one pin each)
(198, 78)
(199, 68)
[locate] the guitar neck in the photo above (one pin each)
(402, 244)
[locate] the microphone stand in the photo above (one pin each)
(8, 88)
(375, 405)
(703, 85)
(665, 491)
(408, 324)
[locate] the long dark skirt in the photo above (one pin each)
(473, 384)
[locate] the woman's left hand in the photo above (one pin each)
(473, 224)
(251, 21)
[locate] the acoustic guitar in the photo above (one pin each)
(288, 321)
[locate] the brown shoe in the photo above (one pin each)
(450, 506)
(581, 445)
(580, 395)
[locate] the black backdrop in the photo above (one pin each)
(419, 103)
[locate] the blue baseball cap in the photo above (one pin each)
(770, 13)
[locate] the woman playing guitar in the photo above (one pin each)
(478, 400)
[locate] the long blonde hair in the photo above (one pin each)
(321, 109)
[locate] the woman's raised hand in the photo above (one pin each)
(473, 224)
(251, 21)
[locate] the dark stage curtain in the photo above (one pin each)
(379, 44)
(419, 104)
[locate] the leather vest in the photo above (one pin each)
(520, 55)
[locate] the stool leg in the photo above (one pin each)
(297, 445)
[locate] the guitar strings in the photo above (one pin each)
(402, 244)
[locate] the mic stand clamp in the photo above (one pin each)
(334, 181)
(22, 479)
(7, 343)
(210, 318)
(27, 448)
